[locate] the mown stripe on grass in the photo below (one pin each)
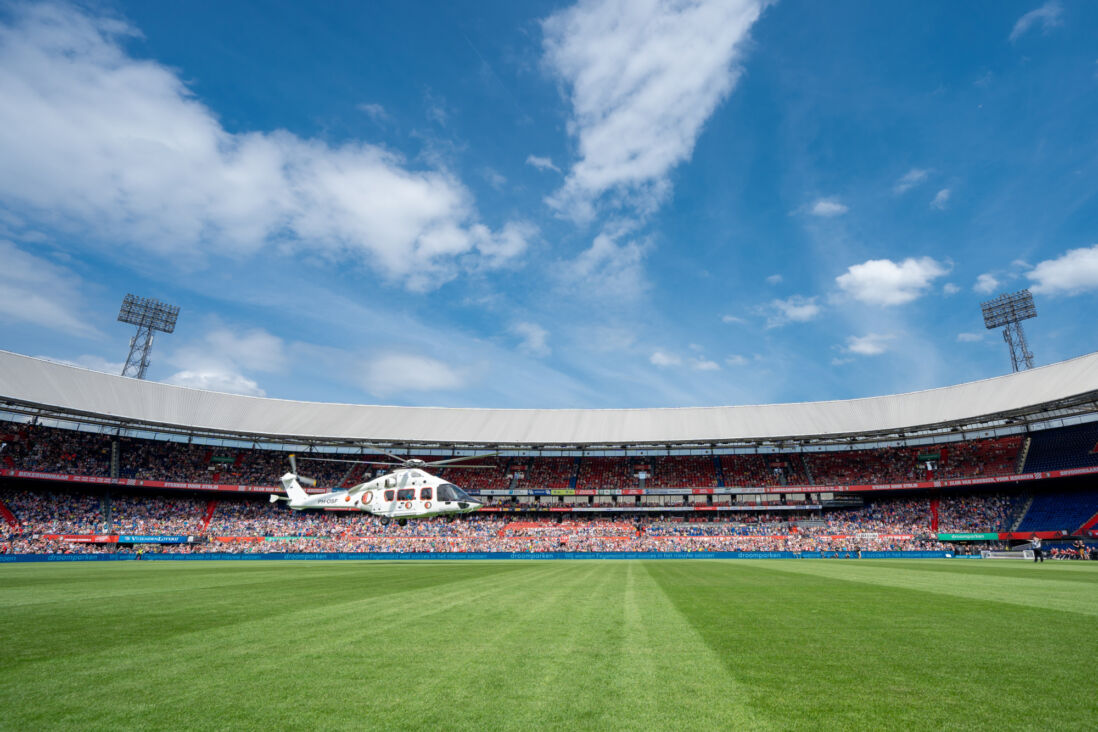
(1040, 586)
(507, 645)
(174, 601)
(814, 650)
(1014, 569)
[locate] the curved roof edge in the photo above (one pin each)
(73, 390)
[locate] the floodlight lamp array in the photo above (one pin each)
(1008, 308)
(147, 312)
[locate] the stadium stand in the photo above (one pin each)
(1064, 448)
(36, 517)
(62, 451)
(1060, 511)
(681, 471)
(606, 473)
(896, 465)
(250, 524)
(547, 472)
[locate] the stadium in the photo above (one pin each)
(854, 501)
(976, 467)
(564, 365)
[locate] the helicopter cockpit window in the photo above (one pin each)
(425, 494)
(406, 494)
(450, 492)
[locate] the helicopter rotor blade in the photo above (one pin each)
(450, 461)
(343, 460)
(459, 467)
(386, 452)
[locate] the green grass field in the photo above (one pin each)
(782, 644)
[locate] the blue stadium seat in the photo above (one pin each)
(1066, 447)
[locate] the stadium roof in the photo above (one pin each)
(58, 390)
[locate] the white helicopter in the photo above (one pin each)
(407, 492)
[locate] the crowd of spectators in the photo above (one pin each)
(903, 464)
(987, 512)
(681, 471)
(55, 512)
(54, 450)
(495, 477)
(606, 473)
(546, 472)
(251, 524)
(763, 470)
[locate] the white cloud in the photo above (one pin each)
(254, 350)
(732, 319)
(535, 339)
(986, 284)
(1073, 272)
(970, 337)
(941, 199)
(795, 309)
(884, 282)
(496, 179)
(950, 289)
(1048, 15)
(218, 361)
(216, 379)
(609, 339)
(374, 111)
(872, 344)
(541, 163)
(642, 76)
(664, 359)
(34, 290)
(736, 360)
(828, 208)
(910, 179)
(608, 269)
(499, 248)
(120, 150)
(394, 373)
(774, 279)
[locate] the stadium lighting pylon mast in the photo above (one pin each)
(1007, 312)
(148, 315)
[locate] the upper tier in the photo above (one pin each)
(71, 390)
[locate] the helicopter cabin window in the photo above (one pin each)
(406, 494)
(425, 494)
(450, 492)
(388, 495)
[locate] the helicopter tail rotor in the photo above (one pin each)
(300, 478)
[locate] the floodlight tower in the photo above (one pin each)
(148, 315)
(1007, 312)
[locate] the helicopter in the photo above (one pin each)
(407, 492)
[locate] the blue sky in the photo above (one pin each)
(606, 204)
